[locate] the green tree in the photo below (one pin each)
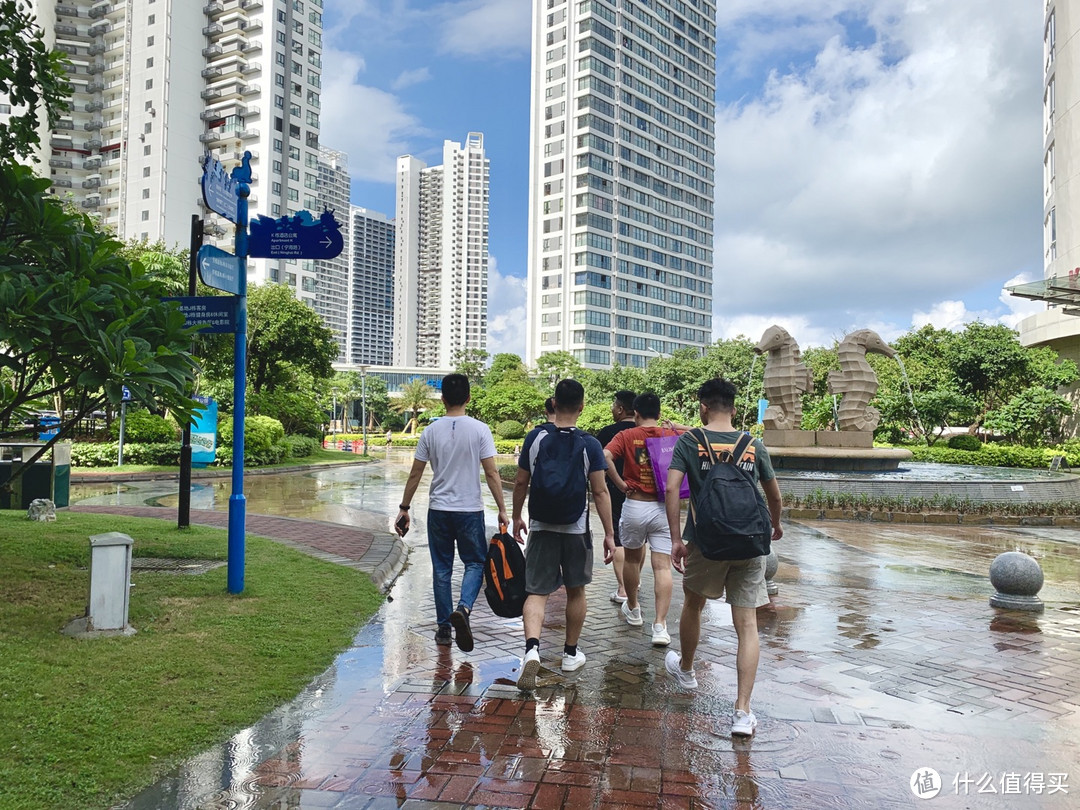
(415, 397)
(377, 399)
(989, 363)
(346, 385)
(600, 386)
(554, 366)
(470, 362)
(676, 379)
(76, 319)
(1032, 417)
(33, 80)
(516, 401)
(285, 337)
(506, 369)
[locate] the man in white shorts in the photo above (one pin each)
(643, 518)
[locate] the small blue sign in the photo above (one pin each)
(220, 269)
(762, 404)
(48, 426)
(300, 236)
(204, 432)
(218, 188)
(211, 313)
(125, 394)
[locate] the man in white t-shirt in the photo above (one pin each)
(456, 445)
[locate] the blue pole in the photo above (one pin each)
(237, 501)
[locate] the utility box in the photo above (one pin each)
(110, 578)
(49, 477)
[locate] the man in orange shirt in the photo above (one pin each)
(643, 518)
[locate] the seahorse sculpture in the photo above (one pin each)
(857, 381)
(786, 379)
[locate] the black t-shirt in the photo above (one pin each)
(605, 435)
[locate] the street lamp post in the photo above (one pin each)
(363, 404)
(333, 418)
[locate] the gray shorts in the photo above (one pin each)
(554, 559)
(742, 581)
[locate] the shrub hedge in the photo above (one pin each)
(999, 455)
(143, 427)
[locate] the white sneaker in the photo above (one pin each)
(686, 680)
(572, 662)
(618, 600)
(632, 615)
(660, 637)
(743, 724)
(530, 664)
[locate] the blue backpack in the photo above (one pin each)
(731, 518)
(558, 486)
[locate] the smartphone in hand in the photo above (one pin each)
(402, 525)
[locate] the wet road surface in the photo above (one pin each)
(881, 658)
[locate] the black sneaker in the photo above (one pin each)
(443, 637)
(462, 634)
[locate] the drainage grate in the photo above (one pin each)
(170, 565)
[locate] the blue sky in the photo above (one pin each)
(878, 161)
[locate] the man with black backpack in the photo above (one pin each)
(558, 466)
(727, 534)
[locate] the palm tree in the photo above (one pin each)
(415, 397)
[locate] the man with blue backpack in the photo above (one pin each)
(558, 466)
(728, 535)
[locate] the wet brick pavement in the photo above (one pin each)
(881, 658)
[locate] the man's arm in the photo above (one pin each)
(494, 482)
(613, 474)
(602, 499)
(521, 486)
(773, 498)
(674, 518)
(401, 525)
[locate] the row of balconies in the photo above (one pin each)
(242, 134)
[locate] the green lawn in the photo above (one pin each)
(83, 723)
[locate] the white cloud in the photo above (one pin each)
(408, 78)
(370, 125)
(506, 311)
(902, 162)
(487, 28)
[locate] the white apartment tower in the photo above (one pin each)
(1059, 326)
(621, 179)
(441, 261)
(371, 289)
(159, 82)
(330, 285)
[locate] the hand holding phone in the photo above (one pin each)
(402, 525)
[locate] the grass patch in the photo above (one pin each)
(84, 723)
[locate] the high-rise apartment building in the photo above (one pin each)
(1059, 326)
(441, 263)
(621, 179)
(330, 286)
(156, 83)
(371, 288)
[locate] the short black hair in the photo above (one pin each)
(626, 399)
(569, 395)
(647, 406)
(549, 406)
(455, 389)
(717, 395)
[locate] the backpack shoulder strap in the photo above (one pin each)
(703, 441)
(740, 448)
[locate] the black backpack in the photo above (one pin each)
(731, 518)
(558, 486)
(504, 577)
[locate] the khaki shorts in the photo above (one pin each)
(743, 581)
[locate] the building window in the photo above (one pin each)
(146, 194)
(149, 84)
(145, 216)
(149, 42)
(146, 171)
(150, 20)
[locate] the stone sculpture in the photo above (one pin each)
(857, 381)
(786, 379)
(41, 509)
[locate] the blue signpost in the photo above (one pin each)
(300, 236)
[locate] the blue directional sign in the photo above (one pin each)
(300, 236)
(211, 313)
(218, 188)
(125, 394)
(221, 270)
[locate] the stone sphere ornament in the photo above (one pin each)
(1017, 579)
(772, 562)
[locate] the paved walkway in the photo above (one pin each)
(881, 660)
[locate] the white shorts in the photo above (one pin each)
(645, 521)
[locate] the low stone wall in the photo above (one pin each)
(936, 518)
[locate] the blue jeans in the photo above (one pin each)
(468, 531)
